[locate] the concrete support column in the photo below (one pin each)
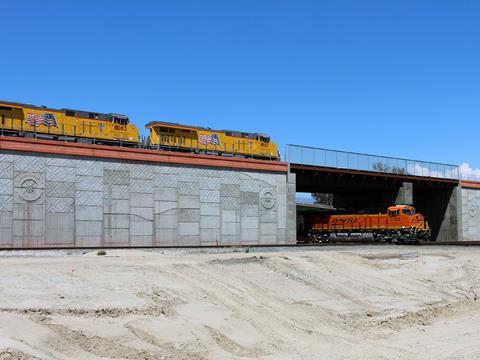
(470, 205)
(291, 209)
(450, 224)
(405, 194)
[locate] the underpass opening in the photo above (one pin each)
(354, 191)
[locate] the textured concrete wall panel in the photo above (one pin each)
(48, 201)
(471, 214)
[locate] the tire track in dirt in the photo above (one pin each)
(426, 316)
(283, 318)
(14, 354)
(230, 296)
(169, 351)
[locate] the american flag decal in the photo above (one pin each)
(209, 139)
(46, 119)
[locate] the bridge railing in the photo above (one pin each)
(471, 177)
(356, 161)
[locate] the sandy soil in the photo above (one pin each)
(359, 302)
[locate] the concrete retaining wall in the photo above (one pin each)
(471, 214)
(60, 201)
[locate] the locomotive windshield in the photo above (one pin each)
(393, 213)
(119, 119)
(409, 211)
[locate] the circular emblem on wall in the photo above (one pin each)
(30, 189)
(268, 198)
(473, 210)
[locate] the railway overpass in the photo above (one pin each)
(370, 183)
(58, 194)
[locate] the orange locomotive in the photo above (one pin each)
(400, 224)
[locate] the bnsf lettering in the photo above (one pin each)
(341, 221)
(120, 127)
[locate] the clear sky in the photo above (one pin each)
(398, 78)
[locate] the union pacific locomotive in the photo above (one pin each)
(115, 129)
(401, 224)
(184, 138)
(66, 124)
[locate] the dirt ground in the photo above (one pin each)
(329, 303)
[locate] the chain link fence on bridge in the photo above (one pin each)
(356, 161)
(475, 178)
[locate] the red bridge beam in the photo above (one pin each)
(120, 153)
(469, 184)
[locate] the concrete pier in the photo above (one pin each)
(470, 214)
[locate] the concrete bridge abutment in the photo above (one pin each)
(442, 209)
(71, 195)
(470, 211)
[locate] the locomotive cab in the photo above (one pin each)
(401, 210)
(119, 119)
(263, 138)
(401, 214)
(406, 216)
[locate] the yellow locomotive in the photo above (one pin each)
(66, 124)
(165, 135)
(115, 129)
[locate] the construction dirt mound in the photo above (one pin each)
(341, 303)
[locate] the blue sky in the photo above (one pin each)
(398, 78)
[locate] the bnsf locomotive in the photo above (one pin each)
(115, 129)
(401, 224)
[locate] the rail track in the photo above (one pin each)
(352, 243)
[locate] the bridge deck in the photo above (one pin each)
(8, 143)
(307, 174)
(348, 162)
